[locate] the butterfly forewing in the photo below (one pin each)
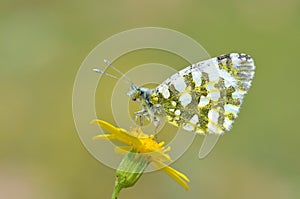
(206, 97)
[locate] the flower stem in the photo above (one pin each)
(117, 190)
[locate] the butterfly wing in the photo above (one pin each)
(206, 97)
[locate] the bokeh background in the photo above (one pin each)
(43, 43)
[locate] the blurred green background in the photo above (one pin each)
(42, 45)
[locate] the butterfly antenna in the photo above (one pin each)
(117, 70)
(104, 73)
(110, 75)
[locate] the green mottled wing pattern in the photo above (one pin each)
(206, 97)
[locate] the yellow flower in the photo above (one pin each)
(145, 148)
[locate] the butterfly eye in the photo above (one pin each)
(135, 95)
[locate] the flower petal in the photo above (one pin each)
(120, 134)
(104, 137)
(160, 156)
(179, 177)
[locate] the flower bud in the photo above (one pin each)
(129, 171)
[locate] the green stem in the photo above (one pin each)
(116, 191)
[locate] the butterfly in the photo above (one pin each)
(204, 98)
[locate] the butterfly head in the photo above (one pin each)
(139, 93)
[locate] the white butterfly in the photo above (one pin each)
(204, 98)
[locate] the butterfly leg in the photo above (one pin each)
(156, 117)
(138, 119)
(140, 115)
(156, 122)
